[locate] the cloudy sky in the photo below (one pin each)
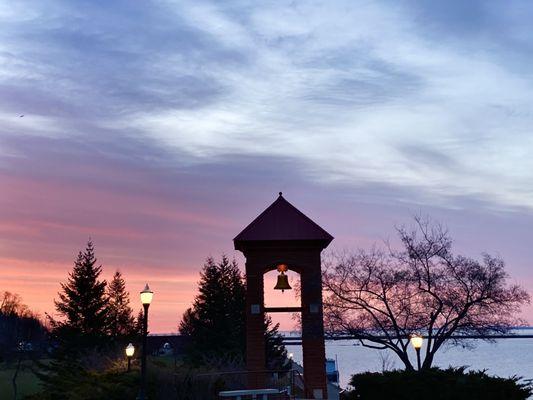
(160, 129)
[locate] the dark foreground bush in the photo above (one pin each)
(436, 384)
(167, 379)
(84, 385)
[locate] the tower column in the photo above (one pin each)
(255, 320)
(313, 348)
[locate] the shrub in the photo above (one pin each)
(69, 380)
(436, 384)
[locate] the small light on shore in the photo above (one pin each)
(417, 341)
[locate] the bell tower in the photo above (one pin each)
(283, 238)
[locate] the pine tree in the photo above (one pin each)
(216, 321)
(276, 352)
(120, 318)
(82, 302)
(138, 323)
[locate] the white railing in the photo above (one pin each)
(237, 394)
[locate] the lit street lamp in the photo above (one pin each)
(416, 342)
(292, 373)
(130, 349)
(146, 299)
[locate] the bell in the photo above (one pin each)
(283, 282)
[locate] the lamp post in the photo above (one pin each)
(130, 349)
(416, 342)
(146, 299)
(292, 374)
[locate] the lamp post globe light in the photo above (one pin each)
(416, 342)
(146, 299)
(130, 350)
(290, 357)
(146, 296)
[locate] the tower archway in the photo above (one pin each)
(274, 297)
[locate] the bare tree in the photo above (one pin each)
(384, 296)
(11, 304)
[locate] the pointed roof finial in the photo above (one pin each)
(280, 194)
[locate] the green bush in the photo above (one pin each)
(436, 384)
(90, 385)
(68, 379)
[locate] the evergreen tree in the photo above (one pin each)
(216, 321)
(82, 302)
(138, 324)
(276, 353)
(120, 318)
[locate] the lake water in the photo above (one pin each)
(505, 357)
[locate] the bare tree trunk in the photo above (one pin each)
(407, 363)
(428, 361)
(14, 379)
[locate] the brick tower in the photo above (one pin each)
(284, 235)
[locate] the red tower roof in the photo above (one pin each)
(281, 221)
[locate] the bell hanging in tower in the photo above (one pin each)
(283, 280)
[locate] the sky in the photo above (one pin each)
(160, 129)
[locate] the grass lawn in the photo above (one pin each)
(167, 360)
(27, 382)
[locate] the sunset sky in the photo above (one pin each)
(160, 129)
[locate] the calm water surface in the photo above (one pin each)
(505, 357)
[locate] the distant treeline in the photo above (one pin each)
(20, 329)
